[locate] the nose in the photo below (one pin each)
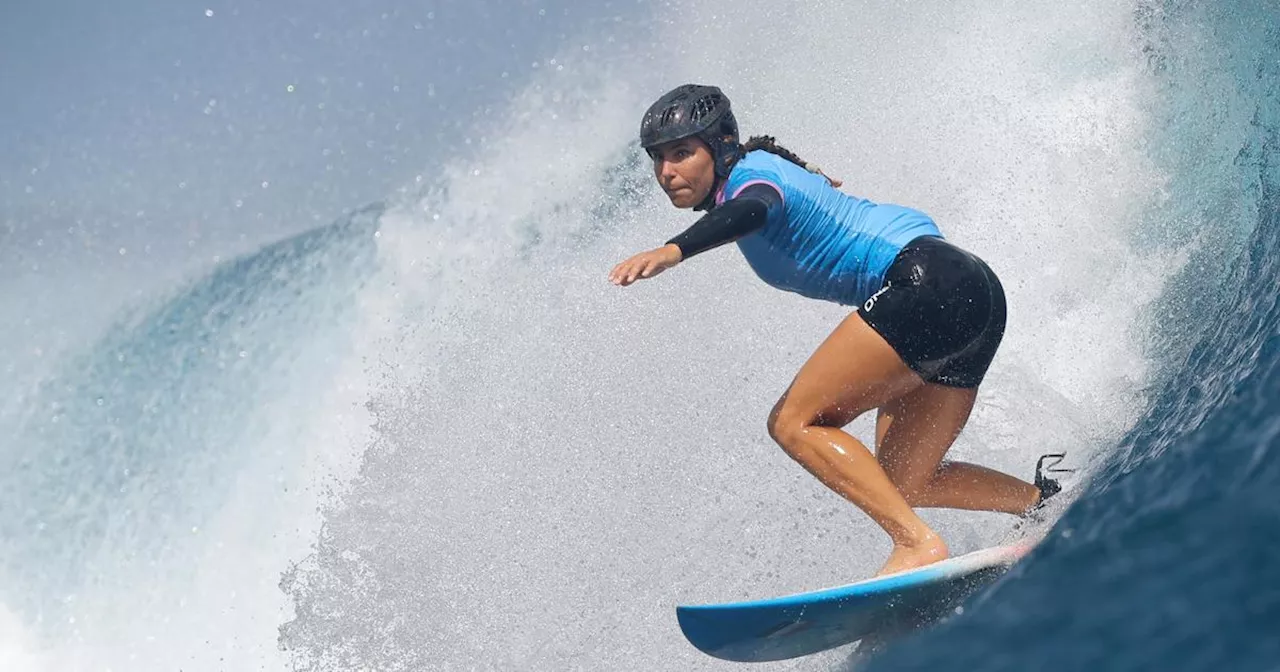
(666, 171)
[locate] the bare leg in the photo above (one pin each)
(853, 371)
(914, 432)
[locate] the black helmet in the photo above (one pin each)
(692, 110)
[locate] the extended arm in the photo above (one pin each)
(747, 213)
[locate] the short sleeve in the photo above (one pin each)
(752, 170)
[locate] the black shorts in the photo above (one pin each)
(942, 310)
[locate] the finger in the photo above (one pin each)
(637, 266)
(621, 270)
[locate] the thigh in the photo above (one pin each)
(852, 371)
(915, 431)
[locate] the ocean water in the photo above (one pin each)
(1167, 559)
(431, 436)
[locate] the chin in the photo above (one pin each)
(682, 200)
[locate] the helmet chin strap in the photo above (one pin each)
(710, 201)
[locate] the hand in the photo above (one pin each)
(646, 265)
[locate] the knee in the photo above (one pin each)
(786, 423)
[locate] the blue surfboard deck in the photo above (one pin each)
(804, 623)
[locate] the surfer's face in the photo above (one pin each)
(685, 169)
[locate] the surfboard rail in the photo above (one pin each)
(800, 624)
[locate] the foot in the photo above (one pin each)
(904, 557)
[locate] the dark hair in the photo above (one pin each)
(769, 144)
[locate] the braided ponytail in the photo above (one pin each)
(769, 144)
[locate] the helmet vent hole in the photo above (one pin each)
(705, 106)
(669, 116)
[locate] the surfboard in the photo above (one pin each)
(804, 623)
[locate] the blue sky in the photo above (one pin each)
(209, 126)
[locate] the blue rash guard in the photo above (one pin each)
(816, 240)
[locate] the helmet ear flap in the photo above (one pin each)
(724, 143)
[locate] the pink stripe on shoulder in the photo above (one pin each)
(753, 182)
